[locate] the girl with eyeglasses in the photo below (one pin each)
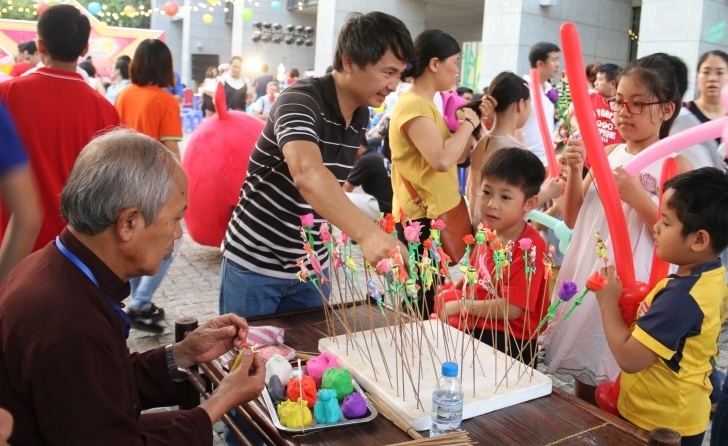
(646, 104)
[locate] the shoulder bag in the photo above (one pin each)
(457, 224)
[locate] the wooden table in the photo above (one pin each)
(557, 419)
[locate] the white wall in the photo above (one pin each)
(512, 27)
(697, 28)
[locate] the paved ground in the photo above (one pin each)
(191, 289)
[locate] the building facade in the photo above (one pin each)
(503, 30)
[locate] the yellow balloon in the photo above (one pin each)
(380, 108)
(129, 10)
(213, 2)
(207, 18)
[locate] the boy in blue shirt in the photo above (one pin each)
(668, 355)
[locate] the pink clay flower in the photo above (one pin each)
(307, 220)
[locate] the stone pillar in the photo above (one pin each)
(683, 28)
(236, 45)
(511, 28)
(186, 57)
(332, 16)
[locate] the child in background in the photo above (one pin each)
(511, 112)
(645, 106)
(668, 355)
(511, 181)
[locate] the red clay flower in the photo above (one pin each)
(596, 282)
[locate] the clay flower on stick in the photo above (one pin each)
(307, 224)
(565, 293)
(601, 248)
(594, 283)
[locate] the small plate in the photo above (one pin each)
(315, 426)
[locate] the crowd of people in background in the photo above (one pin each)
(387, 129)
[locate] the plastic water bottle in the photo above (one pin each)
(447, 401)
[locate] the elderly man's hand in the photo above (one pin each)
(211, 339)
(246, 381)
(241, 385)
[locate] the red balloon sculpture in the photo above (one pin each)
(216, 163)
(537, 108)
(660, 268)
(634, 292)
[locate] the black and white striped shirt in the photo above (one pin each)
(263, 235)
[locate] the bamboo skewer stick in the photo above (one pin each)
(451, 439)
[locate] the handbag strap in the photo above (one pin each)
(413, 193)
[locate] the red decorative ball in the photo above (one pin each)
(170, 8)
(216, 163)
(41, 7)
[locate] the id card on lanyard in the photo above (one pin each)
(88, 273)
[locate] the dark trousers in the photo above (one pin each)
(719, 431)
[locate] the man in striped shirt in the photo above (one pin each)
(304, 155)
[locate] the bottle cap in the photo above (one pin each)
(449, 369)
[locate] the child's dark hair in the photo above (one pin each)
(610, 70)
(591, 72)
(657, 73)
(462, 90)
(65, 31)
(430, 43)
(700, 200)
(681, 71)
(517, 167)
(508, 88)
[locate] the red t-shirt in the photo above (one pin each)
(56, 114)
(20, 68)
(605, 120)
(514, 287)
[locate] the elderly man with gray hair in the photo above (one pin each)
(66, 373)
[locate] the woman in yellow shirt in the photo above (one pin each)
(424, 152)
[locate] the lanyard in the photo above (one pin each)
(85, 269)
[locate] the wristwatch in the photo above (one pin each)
(177, 373)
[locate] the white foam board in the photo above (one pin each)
(361, 354)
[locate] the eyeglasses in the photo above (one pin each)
(634, 108)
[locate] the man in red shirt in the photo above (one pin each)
(22, 62)
(605, 87)
(55, 111)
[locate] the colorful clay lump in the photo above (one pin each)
(304, 385)
(316, 366)
(339, 380)
(294, 415)
(326, 410)
(354, 406)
